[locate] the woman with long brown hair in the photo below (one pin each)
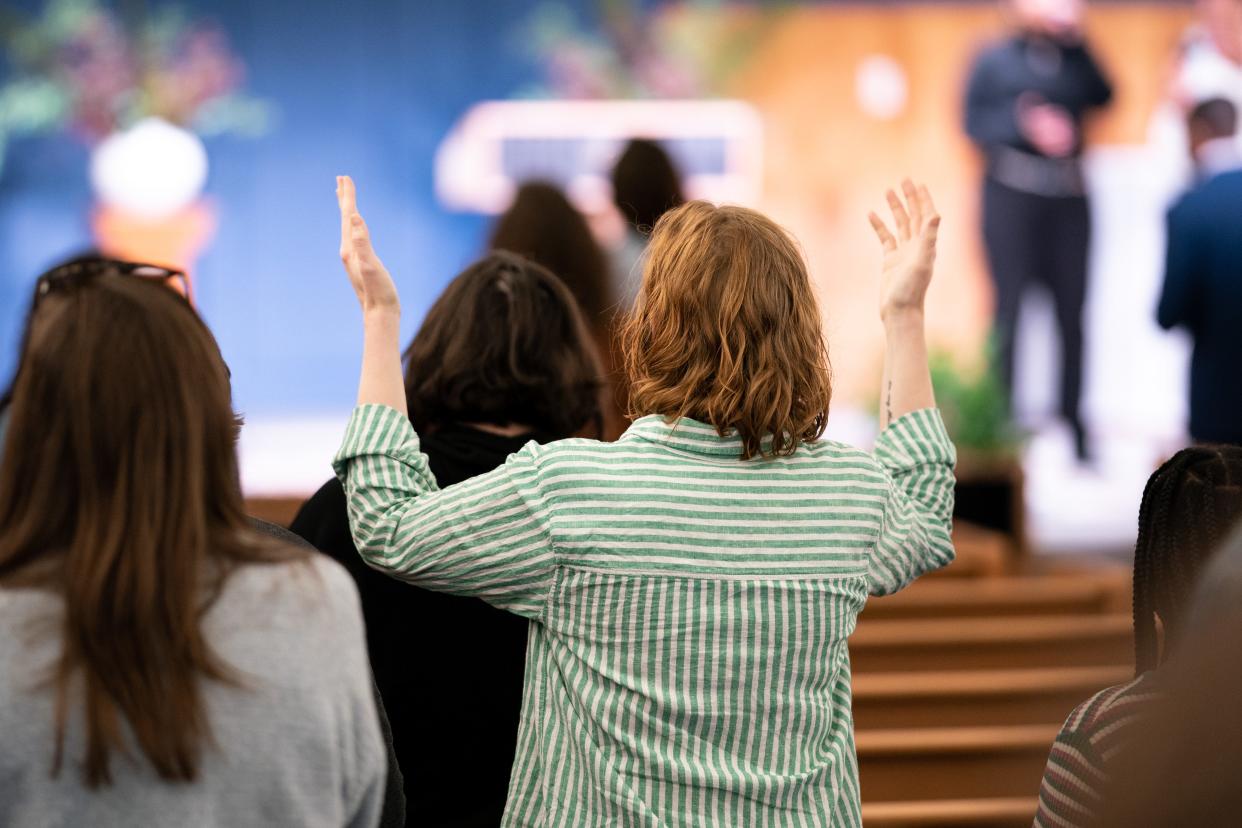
(693, 584)
(161, 663)
(542, 225)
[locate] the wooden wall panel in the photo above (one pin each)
(827, 162)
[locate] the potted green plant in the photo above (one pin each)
(989, 472)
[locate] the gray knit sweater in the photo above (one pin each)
(299, 745)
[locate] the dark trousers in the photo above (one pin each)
(1035, 239)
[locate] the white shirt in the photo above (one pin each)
(1219, 155)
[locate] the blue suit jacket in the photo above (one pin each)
(1203, 293)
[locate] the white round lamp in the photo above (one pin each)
(880, 87)
(151, 170)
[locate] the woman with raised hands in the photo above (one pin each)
(692, 585)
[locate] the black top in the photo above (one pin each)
(1064, 74)
(1203, 293)
(450, 669)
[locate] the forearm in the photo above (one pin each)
(907, 384)
(486, 537)
(992, 125)
(382, 382)
(916, 535)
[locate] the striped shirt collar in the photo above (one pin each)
(686, 434)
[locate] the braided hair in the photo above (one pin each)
(1188, 507)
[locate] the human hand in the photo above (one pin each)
(1048, 127)
(910, 252)
(370, 279)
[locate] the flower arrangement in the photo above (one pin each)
(83, 68)
(671, 50)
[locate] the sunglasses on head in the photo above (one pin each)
(76, 273)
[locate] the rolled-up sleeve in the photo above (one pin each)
(487, 537)
(916, 536)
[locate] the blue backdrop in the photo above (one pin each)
(365, 88)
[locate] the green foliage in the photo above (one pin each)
(31, 105)
(234, 114)
(975, 408)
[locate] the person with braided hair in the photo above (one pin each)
(1189, 506)
(1182, 770)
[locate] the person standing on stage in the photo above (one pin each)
(1202, 290)
(1026, 101)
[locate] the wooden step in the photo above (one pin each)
(1003, 595)
(953, 762)
(1019, 642)
(992, 812)
(980, 553)
(976, 698)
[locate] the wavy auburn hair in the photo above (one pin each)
(727, 330)
(119, 491)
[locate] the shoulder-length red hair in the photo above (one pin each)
(727, 330)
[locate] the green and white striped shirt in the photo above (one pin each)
(688, 661)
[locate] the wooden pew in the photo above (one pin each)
(1079, 594)
(980, 552)
(278, 510)
(976, 698)
(953, 763)
(1021, 642)
(993, 812)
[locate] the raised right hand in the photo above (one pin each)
(370, 279)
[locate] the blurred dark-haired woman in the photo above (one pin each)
(645, 186)
(502, 358)
(542, 225)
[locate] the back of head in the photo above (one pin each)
(1212, 119)
(544, 227)
(645, 184)
(88, 258)
(119, 491)
(1189, 506)
(727, 330)
(504, 344)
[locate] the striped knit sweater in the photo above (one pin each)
(687, 664)
(1074, 781)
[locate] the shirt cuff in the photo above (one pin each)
(915, 439)
(377, 429)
